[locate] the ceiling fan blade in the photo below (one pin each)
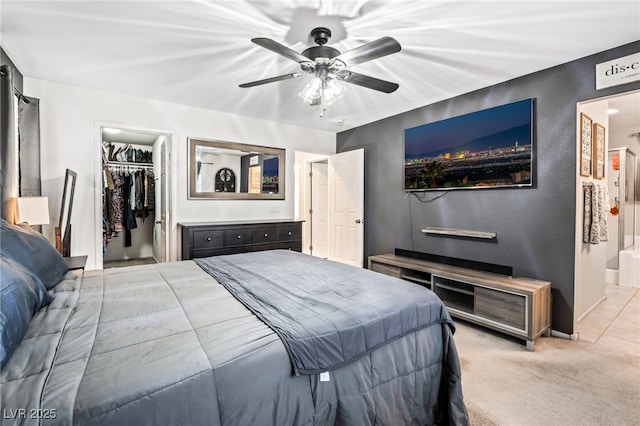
(271, 80)
(367, 81)
(382, 47)
(280, 49)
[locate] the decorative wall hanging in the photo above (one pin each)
(599, 150)
(225, 180)
(586, 126)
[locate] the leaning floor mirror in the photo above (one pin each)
(229, 170)
(63, 230)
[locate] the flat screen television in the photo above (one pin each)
(491, 148)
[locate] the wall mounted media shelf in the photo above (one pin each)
(519, 307)
(451, 232)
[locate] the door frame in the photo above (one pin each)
(303, 196)
(590, 269)
(170, 242)
(303, 162)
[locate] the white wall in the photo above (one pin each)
(68, 119)
(591, 259)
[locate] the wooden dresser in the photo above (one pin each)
(203, 239)
(520, 307)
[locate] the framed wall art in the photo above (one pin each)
(599, 152)
(586, 141)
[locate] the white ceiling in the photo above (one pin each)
(197, 52)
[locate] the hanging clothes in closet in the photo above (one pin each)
(129, 193)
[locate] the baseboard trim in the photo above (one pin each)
(556, 333)
(588, 311)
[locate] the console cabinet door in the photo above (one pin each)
(506, 308)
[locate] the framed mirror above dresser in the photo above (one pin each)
(229, 170)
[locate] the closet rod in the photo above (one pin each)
(129, 164)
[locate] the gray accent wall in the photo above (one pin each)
(535, 226)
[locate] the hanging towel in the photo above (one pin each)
(603, 208)
(595, 213)
(594, 232)
(588, 190)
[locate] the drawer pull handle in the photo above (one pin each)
(289, 232)
(266, 235)
(208, 238)
(239, 237)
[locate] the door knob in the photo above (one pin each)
(359, 220)
(158, 222)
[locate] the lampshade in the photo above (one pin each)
(33, 210)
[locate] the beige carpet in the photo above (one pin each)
(563, 382)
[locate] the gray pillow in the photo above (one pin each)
(33, 251)
(21, 296)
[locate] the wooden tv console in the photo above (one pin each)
(520, 307)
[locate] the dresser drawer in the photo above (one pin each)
(237, 236)
(289, 232)
(283, 245)
(206, 239)
(265, 234)
(219, 251)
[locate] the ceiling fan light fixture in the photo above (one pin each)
(329, 67)
(323, 92)
(333, 91)
(312, 91)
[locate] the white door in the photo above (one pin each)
(160, 246)
(319, 213)
(346, 207)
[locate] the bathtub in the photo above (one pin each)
(629, 268)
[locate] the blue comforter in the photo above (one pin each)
(327, 314)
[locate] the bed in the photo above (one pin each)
(192, 343)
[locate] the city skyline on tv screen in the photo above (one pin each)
(487, 148)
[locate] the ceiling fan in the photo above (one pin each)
(329, 66)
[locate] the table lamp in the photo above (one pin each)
(33, 210)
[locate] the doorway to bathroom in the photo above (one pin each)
(605, 272)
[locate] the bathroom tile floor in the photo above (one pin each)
(615, 322)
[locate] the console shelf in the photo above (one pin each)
(520, 307)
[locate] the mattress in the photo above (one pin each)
(167, 344)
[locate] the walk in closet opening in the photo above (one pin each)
(133, 197)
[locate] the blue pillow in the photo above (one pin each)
(33, 251)
(21, 296)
